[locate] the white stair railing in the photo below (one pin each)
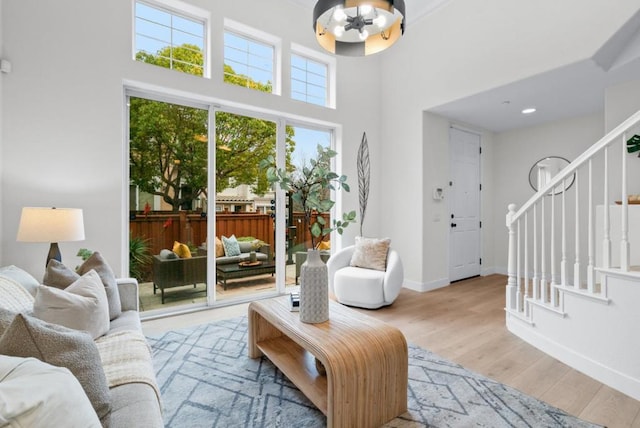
(540, 238)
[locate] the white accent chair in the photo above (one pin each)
(364, 288)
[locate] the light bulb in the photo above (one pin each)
(365, 9)
(380, 21)
(363, 35)
(338, 31)
(339, 14)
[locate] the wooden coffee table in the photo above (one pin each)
(366, 360)
(234, 270)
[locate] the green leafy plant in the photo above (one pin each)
(139, 257)
(310, 188)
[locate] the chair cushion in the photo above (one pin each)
(22, 277)
(359, 287)
(168, 255)
(219, 248)
(371, 253)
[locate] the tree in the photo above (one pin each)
(168, 142)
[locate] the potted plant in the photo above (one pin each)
(310, 187)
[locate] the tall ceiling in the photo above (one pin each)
(571, 91)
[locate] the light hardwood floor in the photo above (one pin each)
(465, 322)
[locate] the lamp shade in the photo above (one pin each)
(50, 225)
(358, 27)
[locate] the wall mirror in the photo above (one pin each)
(545, 169)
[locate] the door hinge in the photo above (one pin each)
(480, 225)
(480, 150)
(480, 260)
(481, 187)
(451, 183)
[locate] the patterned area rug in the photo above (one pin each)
(207, 380)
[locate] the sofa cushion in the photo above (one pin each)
(60, 346)
(128, 320)
(30, 396)
(182, 250)
(231, 246)
(168, 255)
(370, 253)
(14, 296)
(22, 277)
(359, 286)
(81, 306)
(135, 402)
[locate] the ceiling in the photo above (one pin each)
(571, 91)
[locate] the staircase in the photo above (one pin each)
(573, 290)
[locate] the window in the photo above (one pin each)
(312, 77)
(251, 58)
(170, 39)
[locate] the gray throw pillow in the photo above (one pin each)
(168, 255)
(62, 347)
(104, 271)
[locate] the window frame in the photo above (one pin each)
(181, 10)
(261, 37)
(315, 56)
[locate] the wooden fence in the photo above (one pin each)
(162, 229)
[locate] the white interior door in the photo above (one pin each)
(464, 205)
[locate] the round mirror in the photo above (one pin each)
(545, 169)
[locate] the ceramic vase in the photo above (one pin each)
(314, 289)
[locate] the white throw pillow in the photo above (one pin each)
(23, 277)
(82, 305)
(371, 253)
(15, 297)
(37, 394)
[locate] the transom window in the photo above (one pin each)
(169, 39)
(248, 62)
(308, 80)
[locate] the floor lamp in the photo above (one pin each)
(51, 225)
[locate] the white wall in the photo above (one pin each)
(516, 151)
(464, 48)
(63, 110)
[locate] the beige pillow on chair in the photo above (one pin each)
(371, 253)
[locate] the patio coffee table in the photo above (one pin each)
(366, 361)
(234, 270)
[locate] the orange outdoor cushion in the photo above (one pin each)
(182, 250)
(219, 248)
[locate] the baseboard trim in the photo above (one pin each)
(422, 287)
(598, 371)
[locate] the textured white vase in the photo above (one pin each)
(314, 289)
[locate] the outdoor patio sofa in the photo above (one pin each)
(170, 272)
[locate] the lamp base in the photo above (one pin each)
(54, 253)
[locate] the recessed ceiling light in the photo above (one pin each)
(529, 110)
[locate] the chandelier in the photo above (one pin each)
(358, 27)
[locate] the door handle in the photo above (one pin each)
(453, 225)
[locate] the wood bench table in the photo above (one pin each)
(366, 360)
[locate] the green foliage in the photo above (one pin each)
(169, 143)
(139, 257)
(84, 254)
(310, 187)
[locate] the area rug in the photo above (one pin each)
(207, 380)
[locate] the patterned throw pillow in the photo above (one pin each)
(231, 246)
(182, 250)
(371, 253)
